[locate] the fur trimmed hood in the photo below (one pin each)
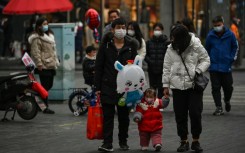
(43, 50)
(48, 38)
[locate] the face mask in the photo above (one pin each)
(120, 33)
(131, 33)
(157, 33)
(149, 100)
(45, 28)
(218, 28)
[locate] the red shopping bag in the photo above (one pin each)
(36, 86)
(95, 121)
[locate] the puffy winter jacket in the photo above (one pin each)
(151, 117)
(222, 50)
(196, 59)
(43, 50)
(89, 69)
(155, 52)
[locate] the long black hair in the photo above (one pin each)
(138, 33)
(189, 24)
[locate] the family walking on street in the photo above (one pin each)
(173, 64)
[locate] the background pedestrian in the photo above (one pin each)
(155, 51)
(133, 30)
(43, 52)
(89, 65)
(221, 45)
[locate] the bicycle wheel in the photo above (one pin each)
(76, 103)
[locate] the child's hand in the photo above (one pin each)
(136, 119)
(86, 103)
(166, 92)
(165, 101)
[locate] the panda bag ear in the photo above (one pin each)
(118, 66)
(138, 61)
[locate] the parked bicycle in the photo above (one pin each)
(80, 99)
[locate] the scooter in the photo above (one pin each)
(21, 92)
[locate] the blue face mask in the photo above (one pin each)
(45, 28)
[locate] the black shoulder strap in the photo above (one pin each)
(185, 67)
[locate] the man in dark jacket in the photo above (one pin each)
(114, 47)
(222, 47)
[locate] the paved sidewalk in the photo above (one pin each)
(65, 133)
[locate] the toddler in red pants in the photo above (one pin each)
(149, 119)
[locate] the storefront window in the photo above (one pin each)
(197, 11)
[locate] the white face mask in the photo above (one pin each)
(157, 33)
(218, 28)
(131, 33)
(120, 33)
(150, 100)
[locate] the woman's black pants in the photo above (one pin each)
(184, 102)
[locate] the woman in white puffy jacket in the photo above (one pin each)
(185, 99)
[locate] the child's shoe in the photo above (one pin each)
(145, 148)
(158, 147)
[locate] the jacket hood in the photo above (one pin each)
(48, 38)
(194, 41)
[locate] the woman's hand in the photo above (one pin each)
(97, 93)
(166, 92)
(40, 67)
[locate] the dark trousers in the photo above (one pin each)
(123, 120)
(47, 83)
(188, 101)
(156, 83)
(223, 80)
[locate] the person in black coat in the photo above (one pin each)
(114, 47)
(89, 65)
(155, 51)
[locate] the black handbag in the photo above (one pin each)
(200, 81)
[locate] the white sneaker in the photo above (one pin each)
(158, 147)
(144, 148)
